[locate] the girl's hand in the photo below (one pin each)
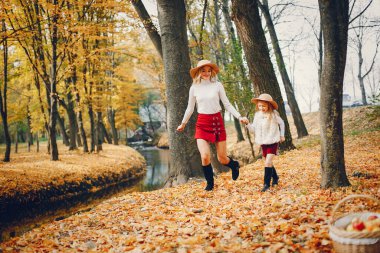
(282, 139)
(181, 127)
(244, 120)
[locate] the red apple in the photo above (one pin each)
(358, 226)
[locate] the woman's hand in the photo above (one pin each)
(244, 120)
(282, 138)
(181, 127)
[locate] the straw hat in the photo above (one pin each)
(267, 98)
(201, 64)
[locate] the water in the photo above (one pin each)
(157, 169)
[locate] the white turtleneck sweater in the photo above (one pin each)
(267, 127)
(207, 96)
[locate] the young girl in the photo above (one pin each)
(207, 92)
(265, 126)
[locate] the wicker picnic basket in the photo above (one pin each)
(353, 242)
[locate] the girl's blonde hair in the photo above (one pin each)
(197, 78)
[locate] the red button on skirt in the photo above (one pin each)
(210, 127)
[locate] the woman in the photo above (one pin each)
(207, 92)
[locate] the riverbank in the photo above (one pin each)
(31, 184)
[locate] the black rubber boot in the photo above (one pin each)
(209, 175)
(234, 166)
(274, 176)
(267, 178)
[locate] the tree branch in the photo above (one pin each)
(373, 60)
(352, 20)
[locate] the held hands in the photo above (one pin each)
(181, 127)
(244, 120)
(282, 138)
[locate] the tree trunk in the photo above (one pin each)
(92, 131)
(360, 76)
(79, 140)
(29, 121)
(111, 119)
(220, 55)
(16, 141)
(53, 86)
(3, 97)
(239, 132)
(38, 142)
(334, 19)
(99, 133)
(320, 54)
(148, 24)
(29, 127)
(248, 23)
(61, 124)
(82, 131)
(236, 54)
(126, 137)
(105, 133)
(79, 113)
(296, 113)
(72, 120)
(185, 159)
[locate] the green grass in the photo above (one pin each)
(361, 131)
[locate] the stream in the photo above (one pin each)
(157, 169)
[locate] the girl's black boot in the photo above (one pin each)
(274, 176)
(234, 166)
(267, 178)
(209, 176)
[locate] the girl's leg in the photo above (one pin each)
(204, 150)
(268, 161)
(221, 150)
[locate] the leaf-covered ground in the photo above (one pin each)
(235, 217)
(32, 187)
(30, 171)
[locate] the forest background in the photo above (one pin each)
(79, 66)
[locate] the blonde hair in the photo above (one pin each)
(197, 78)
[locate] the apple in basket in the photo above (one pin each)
(371, 224)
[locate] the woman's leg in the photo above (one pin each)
(221, 150)
(204, 150)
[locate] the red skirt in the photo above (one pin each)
(210, 127)
(269, 149)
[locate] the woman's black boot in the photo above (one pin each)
(267, 178)
(274, 176)
(209, 175)
(234, 166)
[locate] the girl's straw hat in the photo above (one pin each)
(201, 64)
(267, 98)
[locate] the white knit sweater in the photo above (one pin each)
(207, 96)
(265, 126)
